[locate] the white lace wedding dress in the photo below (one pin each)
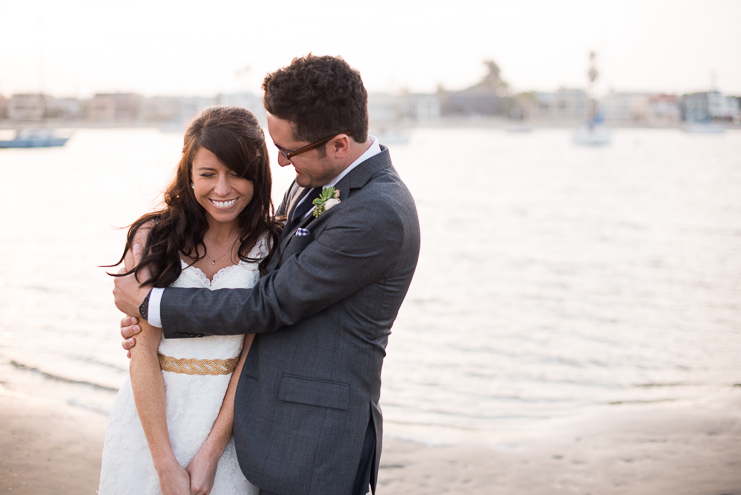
(192, 402)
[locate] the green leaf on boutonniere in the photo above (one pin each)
(328, 198)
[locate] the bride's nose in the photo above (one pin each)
(222, 185)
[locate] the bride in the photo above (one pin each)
(171, 425)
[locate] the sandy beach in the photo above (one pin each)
(663, 448)
(688, 447)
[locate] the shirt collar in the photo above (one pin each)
(373, 150)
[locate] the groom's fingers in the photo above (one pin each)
(137, 250)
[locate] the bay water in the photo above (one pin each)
(553, 279)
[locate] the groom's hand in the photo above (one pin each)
(127, 292)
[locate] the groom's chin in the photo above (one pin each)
(306, 182)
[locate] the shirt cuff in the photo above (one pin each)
(155, 298)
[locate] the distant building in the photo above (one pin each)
(664, 109)
(120, 107)
(709, 106)
(421, 108)
(624, 106)
(190, 106)
(489, 97)
(27, 107)
(100, 109)
(385, 108)
(737, 119)
(161, 109)
(565, 104)
(3, 107)
(65, 109)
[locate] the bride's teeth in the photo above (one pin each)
(224, 204)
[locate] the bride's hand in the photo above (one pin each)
(129, 328)
(202, 472)
(174, 480)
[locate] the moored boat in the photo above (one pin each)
(592, 133)
(34, 138)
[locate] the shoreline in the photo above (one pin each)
(683, 447)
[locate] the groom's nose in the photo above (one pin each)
(283, 161)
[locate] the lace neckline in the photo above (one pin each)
(219, 274)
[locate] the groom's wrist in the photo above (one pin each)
(144, 306)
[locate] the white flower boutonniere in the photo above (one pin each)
(329, 198)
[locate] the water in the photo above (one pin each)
(553, 279)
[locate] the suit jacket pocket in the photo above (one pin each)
(296, 245)
(335, 395)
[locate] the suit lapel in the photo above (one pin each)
(360, 175)
(356, 179)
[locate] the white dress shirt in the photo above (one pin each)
(155, 297)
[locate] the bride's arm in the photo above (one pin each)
(202, 468)
(149, 396)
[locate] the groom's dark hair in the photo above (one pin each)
(322, 96)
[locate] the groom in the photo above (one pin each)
(307, 419)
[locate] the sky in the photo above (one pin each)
(77, 48)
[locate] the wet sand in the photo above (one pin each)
(690, 448)
(687, 447)
(48, 447)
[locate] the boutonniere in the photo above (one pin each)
(328, 198)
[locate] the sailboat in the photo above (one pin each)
(592, 133)
(34, 138)
(42, 137)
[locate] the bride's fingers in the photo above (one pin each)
(128, 332)
(128, 344)
(128, 320)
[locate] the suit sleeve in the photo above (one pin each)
(359, 245)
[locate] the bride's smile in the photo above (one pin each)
(224, 205)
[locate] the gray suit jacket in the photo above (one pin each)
(308, 391)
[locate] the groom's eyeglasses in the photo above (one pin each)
(308, 147)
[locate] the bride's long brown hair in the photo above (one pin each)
(235, 137)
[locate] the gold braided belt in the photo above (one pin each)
(198, 366)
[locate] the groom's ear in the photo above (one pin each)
(339, 147)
